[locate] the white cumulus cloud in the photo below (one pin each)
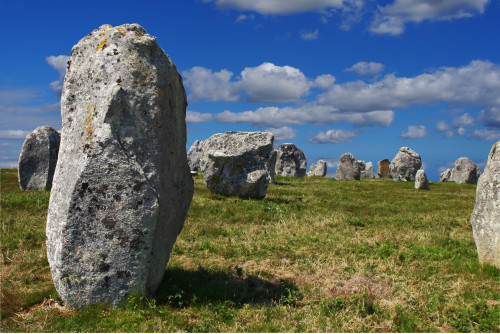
(486, 134)
(283, 133)
(414, 131)
(280, 7)
(13, 134)
(366, 68)
(309, 35)
(59, 64)
(198, 117)
(457, 125)
(391, 19)
(202, 83)
(334, 136)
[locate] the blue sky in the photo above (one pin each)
(331, 76)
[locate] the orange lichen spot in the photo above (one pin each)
(89, 130)
(101, 45)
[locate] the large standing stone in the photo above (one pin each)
(383, 168)
(272, 164)
(485, 218)
(290, 161)
(194, 155)
(349, 168)
(237, 163)
(405, 165)
(421, 181)
(368, 170)
(445, 176)
(122, 185)
(38, 158)
(318, 169)
(465, 171)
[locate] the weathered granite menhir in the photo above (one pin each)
(122, 185)
(38, 158)
(349, 168)
(237, 163)
(383, 168)
(485, 218)
(465, 171)
(290, 161)
(405, 165)
(445, 176)
(194, 155)
(318, 169)
(421, 181)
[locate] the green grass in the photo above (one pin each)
(315, 255)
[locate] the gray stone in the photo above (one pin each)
(362, 168)
(272, 165)
(38, 158)
(405, 165)
(485, 218)
(237, 163)
(421, 181)
(349, 168)
(193, 156)
(122, 186)
(290, 161)
(465, 171)
(383, 168)
(445, 176)
(318, 169)
(368, 171)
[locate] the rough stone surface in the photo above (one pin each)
(383, 168)
(272, 165)
(421, 181)
(445, 176)
(38, 158)
(318, 169)
(349, 168)
(405, 165)
(194, 155)
(122, 185)
(290, 161)
(237, 163)
(465, 171)
(368, 171)
(485, 218)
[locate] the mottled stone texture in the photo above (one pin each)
(421, 181)
(465, 171)
(272, 165)
(237, 163)
(383, 168)
(290, 161)
(485, 218)
(368, 171)
(405, 165)
(194, 155)
(38, 158)
(349, 168)
(122, 185)
(445, 176)
(318, 169)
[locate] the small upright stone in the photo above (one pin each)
(349, 168)
(485, 218)
(38, 158)
(318, 169)
(383, 168)
(122, 186)
(445, 176)
(465, 171)
(272, 165)
(193, 156)
(421, 181)
(237, 163)
(368, 171)
(290, 161)
(405, 165)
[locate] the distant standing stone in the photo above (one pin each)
(421, 181)
(445, 176)
(405, 165)
(383, 168)
(368, 171)
(290, 161)
(465, 171)
(38, 158)
(318, 169)
(193, 156)
(122, 185)
(272, 165)
(485, 218)
(237, 163)
(348, 168)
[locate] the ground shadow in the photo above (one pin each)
(181, 287)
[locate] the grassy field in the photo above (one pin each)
(316, 255)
